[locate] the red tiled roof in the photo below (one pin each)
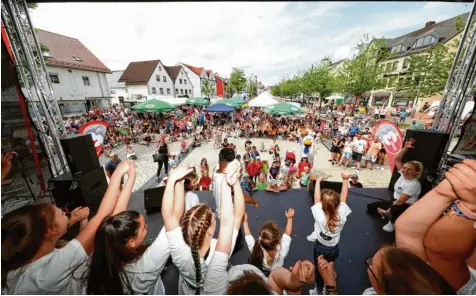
(63, 49)
(196, 70)
(173, 71)
(208, 73)
(139, 72)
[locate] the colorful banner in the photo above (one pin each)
(392, 139)
(97, 130)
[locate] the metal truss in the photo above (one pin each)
(34, 80)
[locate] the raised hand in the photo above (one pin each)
(461, 177)
(345, 176)
(232, 172)
(125, 166)
(180, 172)
(245, 218)
(289, 213)
(320, 178)
(7, 163)
(306, 272)
(326, 270)
(409, 143)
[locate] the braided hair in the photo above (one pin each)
(195, 224)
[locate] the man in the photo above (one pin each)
(112, 165)
(372, 154)
(226, 156)
(354, 181)
(354, 129)
(359, 146)
(254, 152)
(403, 116)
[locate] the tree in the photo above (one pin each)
(318, 80)
(207, 88)
(362, 73)
(252, 89)
(237, 81)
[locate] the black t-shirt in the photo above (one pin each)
(356, 185)
(225, 145)
(248, 143)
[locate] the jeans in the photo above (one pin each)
(330, 254)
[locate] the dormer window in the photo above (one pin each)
(424, 41)
(397, 48)
(77, 59)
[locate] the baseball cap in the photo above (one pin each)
(354, 176)
(113, 154)
(258, 157)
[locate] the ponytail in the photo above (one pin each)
(257, 255)
(270, 238)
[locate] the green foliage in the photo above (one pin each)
(207, 88)
(237, 80)
(252, 89)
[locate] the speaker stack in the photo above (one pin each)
(86, 183)
(428, 149)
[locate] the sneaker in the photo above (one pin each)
(313, 291)
(382, 169)
(354, 167)
(389, 227)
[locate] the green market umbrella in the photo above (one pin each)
(230, 102)
(198, 101)
(154, 106)
(283, 109)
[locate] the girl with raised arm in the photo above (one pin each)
(30, 262)
(271, 249)
(121, 262)
(191, 240)
(330, 212)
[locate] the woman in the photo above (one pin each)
(393, 271)
(190, 184)
(30, 262)
(407, 190)
(330, 212)
(204, 166)
(163, 158)
(190, 240)
(337, 144)
(121, 262)
(271, 249)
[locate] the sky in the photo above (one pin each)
(267, 39)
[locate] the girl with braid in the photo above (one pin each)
(121, 262)
(191, 239)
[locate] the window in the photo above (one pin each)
(168, 91)
(382, 67)
(387, 67)
(395, 66)
(86, 80)
(397, 48)
(54, 78)
(406, 63)
(176, 90)
(424, 41)
(77, 59)
(190, 91)
(164, 79)
(154, 91)
(161, 91)
(157, 77)
(185, 81)
(113, 91)
(181, 91)
(180, 80)
(160, 68)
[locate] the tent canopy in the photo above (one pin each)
(198, 101)
(153, 106)
(283, 109)
(170, 100)
(263, 100)
(219, 108)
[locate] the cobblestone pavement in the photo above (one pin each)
(146, 168)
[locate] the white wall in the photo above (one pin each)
(195, 80)
(64, 90)
(138, 90)
(160, 70)
(186, 85)
(118, 92)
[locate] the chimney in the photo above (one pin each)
(430, 23)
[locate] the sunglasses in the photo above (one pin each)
(368, 264)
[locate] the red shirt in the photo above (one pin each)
(302, 165)
(252, 169)
(205, 183)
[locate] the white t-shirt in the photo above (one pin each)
(217, 179)
(238, 271)
(320, 224)
(191, 200)
(60, 272)
(359, 145)
(144, 274)
(409, 187)
(470, 287)
(348, 147)
(182, 258)
(283, 250)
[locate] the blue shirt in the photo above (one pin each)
(403, 114)
(111, 166)
(353, 130)
(201, 118)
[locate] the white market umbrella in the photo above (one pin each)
(265, 99)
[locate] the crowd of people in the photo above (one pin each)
(435, 234)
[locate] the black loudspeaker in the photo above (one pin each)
(429, 147)
(336, 186)
(80, 154)
(153, 199)
(88, 190)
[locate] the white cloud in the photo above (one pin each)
(431, 5)
(268, 39)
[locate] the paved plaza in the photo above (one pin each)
(146, 168)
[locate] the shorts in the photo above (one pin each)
(335, 149)
(371, 158)
(347, 155)
(357, 156)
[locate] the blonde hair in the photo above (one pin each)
(418, 165)
(330, 201)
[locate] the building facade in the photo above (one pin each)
(119, 92)
(203, 81)
(77, 76)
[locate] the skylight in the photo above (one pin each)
(77, 58)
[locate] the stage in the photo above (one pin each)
(361, 237)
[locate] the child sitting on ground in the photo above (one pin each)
(274, 187)
(173, 161)
(205, 181)
(274, 170)
(261, 185)
(272, 247)
(262, 148)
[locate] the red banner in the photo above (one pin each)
(392, 139)
(97, 130)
